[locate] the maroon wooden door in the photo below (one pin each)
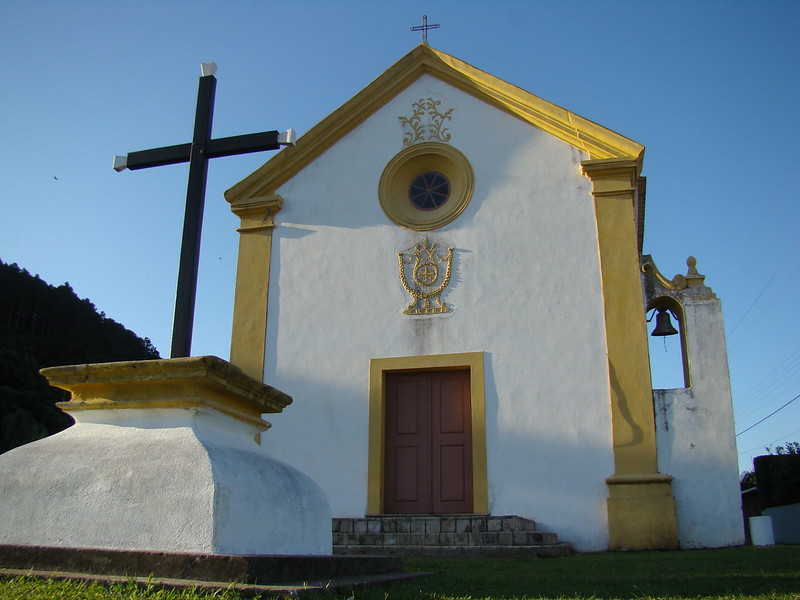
(428, 443)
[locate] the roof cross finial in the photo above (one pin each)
(424, 29)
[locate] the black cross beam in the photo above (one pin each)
(424, 28)
(197, 153)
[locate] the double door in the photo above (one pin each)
(428, 443)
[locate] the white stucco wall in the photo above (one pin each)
(525, 290)
(173, 480)
(695, 436)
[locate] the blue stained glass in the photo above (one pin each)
(429, 190)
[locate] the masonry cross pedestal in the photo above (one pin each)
(197, 154)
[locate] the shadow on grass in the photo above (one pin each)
(738, 572)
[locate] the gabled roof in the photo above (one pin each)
(594, 139)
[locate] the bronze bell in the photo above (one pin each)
(663, 324)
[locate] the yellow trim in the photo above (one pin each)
(201, 381)
(678, 282)
(641, 508)
(377, 390)
(590, 137)
(411, 162)
(249, 331)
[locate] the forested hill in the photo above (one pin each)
(43, 326)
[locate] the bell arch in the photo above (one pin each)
(670, 305)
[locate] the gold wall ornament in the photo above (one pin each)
(426, 123)
(425, 273)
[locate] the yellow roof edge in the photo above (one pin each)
(586, 135)
(598, 141)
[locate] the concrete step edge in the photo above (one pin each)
(540, 550)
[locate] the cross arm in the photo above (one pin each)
(243, 144)
(228, 146)
(168, 155)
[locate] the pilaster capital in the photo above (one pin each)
(257, 212)
(613, 176)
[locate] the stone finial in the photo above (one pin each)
(693, 277)
(692, 285)
(691, 262)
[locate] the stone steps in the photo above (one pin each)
(445, 536)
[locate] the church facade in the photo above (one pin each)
(446, 275)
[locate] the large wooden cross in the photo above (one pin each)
(197, 153)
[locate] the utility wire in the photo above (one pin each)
(769, 415)
(786, 373)
(764, 289)
(780, 439)
(787, 364)
(761, 293)
(768, 397)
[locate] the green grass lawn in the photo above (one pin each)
(739, 573)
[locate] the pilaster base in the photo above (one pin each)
(641, 512)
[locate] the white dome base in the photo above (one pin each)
(182, 479)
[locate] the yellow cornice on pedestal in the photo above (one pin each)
(203, 381)
(597, 141)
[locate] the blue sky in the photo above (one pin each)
(710, 88)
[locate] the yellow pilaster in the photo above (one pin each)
(641, 508)
(248, 337)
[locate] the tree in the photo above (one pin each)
(778, 475)
(43, 326)
(789, 448)
(747, 480)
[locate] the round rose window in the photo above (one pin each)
(426, 186)
(429, 190)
